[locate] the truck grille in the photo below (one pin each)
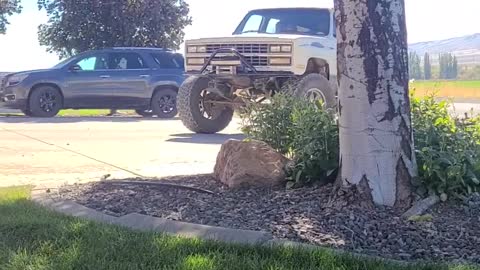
(241, 48)
(253, 60)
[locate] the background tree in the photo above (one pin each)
(76, 26)
(8, 8)
(414, 68)
(376, 142)
(448, 66)
(427, 67)
(454, 68)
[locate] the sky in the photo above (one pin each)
(426, 20)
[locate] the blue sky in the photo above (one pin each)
(426, 20)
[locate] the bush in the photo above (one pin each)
(300, 130)
(447, 147)
(271, 123)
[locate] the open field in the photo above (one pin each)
(467, 90)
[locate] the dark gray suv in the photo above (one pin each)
(143, 79)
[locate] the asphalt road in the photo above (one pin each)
(68, 150)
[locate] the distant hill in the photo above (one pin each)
(467, 48)
(465, 43)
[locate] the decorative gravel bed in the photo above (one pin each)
(453, 234)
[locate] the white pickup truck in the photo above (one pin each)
(271, 51)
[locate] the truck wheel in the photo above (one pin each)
(45, 101)
(314, 87)
(164, 103)
(195, 110)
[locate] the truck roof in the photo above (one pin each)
(284, 8)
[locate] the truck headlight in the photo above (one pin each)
(275, 48)
(197, 49)
(280, 61)
(16, 79)
(281, 48)
(195, 61)
(286, 48)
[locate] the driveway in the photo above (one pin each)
(67, 150)
(61, 150)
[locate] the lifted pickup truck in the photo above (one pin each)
(289, 50)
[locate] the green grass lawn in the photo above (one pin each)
(446, 84)
(91, 113)
(34, 238)
(84, 113)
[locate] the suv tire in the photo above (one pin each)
(164, 103)
(190, 103)
(145, 113)
(45, 101)
(26, 112)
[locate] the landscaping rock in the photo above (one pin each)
(421, 207)
(252, 163)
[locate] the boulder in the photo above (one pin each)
(249, 163)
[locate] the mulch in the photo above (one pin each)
(304, 215)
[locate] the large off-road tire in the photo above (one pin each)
(313, 87)
(196, 114)
(164, 103)
(45, 101)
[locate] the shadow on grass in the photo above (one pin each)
(34, 238)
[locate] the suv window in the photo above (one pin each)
(93, 62)
(126, 61)
(169, 61)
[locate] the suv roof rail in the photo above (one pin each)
(138, 48)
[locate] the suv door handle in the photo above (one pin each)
(144, 76)
(104, 76)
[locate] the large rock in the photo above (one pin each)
(249, 163)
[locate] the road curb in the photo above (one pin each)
(44, 198)
(140, 222)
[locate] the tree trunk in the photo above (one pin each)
(376, 142)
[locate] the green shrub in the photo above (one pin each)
(271, 123)
(300, 130)
(447, 148)
(315, 143)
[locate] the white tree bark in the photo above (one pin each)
(376, 143)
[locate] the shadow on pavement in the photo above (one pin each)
(204, 138)
(6, 118)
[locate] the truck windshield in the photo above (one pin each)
(297, 21)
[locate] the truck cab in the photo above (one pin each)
(271, 51)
